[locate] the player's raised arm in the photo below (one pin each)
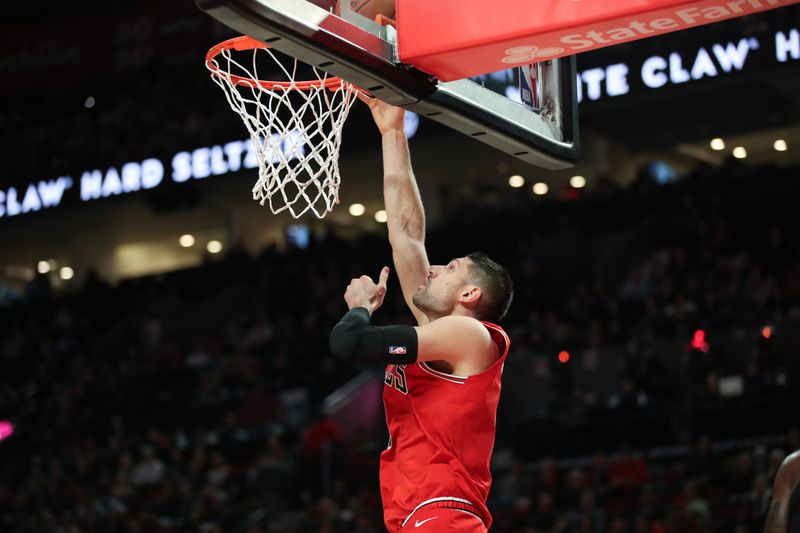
(405, 215)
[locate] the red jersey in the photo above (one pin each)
(441, 435)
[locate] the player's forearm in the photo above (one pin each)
(404, 212)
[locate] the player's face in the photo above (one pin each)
(442, 287)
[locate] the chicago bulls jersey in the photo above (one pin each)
(441, 435)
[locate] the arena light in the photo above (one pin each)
(357, 210)
(380, 216)
(563, 357)
(780, 145)
(766, 332)
(577, 182)
(43, 267)
(699, 341)
(214, 247)
(717, 144)
(89, 102)
(516, 181)
(740, 152)
(6, 429)
(540, 188)
(66, 273)
(186, 240)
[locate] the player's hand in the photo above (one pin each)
(363, 292)
(387, 117)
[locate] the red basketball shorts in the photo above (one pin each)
(430, 520)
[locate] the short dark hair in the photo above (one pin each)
(496, 286)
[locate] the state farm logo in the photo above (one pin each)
(584, 35)
(526, 54)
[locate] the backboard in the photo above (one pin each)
(543, 132)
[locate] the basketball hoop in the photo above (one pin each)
(295, 126)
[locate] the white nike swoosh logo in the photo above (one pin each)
(418, 523)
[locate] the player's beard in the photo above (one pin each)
(420, 299)
(429, 303)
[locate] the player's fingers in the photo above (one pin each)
(364, 97)
(383, 277)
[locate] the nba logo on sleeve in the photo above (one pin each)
(397, 350)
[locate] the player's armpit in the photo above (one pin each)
(356, 340)
(457, 340)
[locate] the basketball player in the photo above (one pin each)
(442, 379)
(784, 511)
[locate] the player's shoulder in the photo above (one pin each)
(789, 471)
(462, 323)
(472, 326)
(463, 319)
(463, 330)
(792, 461)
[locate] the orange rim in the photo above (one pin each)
(248, 43)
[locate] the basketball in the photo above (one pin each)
(371, 8)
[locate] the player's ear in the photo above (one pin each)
(470, 295)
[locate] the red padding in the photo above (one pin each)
(455, 39)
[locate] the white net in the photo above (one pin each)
(295, 126)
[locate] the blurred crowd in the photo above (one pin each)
(705, 487)
(192, 400)
(127, 117)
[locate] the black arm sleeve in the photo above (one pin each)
(355, 340)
